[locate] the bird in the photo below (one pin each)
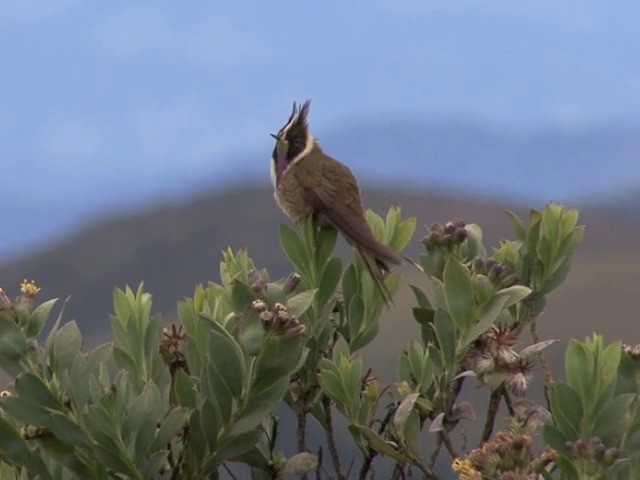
(307, 181)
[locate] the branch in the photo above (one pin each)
(319, 465)
(448, 444)
(300, 435)
(428, 473)
(507, 401)
(436, 451)
(229, 472)
(368, 459)
(548, 378)
(331, 441)
(492, 411)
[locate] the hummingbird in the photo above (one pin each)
(307, 181)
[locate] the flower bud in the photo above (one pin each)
(259, 305)
(266, 316)
(4, 300)
(291, 282)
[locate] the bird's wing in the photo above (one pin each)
(345, 212)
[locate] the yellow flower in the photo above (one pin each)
(29, 288)
(466, 469)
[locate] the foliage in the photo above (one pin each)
(187, 400)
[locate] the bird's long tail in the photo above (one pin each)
(377, 270)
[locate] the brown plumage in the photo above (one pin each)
(307, 181)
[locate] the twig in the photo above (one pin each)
(492, 411)
(301, 432)
(436, 452)
(428, 473)
(319, 465)
(224, 465)
(507, 401)
(331, 441)
(368, 459)
(548, 378)
(448, 444)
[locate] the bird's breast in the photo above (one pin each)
(290, 196)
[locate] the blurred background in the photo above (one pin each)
(134, 137)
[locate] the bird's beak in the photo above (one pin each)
(274, 136)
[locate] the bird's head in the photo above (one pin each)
(293, 140)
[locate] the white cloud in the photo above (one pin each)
(33, 10)
(148, 30)
(73, 140)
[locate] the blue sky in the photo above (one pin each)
(94, 94)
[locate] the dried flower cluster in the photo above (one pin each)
(507, 456)
(258, 282)
(494, 360)
(28, 292)
(593, 453)
(447, 235)
(277, 319)
(501, 275)
(171, 349)
(632, 350)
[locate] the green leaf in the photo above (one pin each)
(537, 348)
(184, 388)
(227, 359)
(472, 247)
(13, 344)
(171, 425)
(25, 411)
(514, 294)
(403, 234)
(236, 446)
(376, 223)
(610, 360)
(12, 445)
(38, 318)
(579, 370)
(298, 304)
(517, 226)
(332, 386)
(489, 313)
(421, 298)
(241, 295)
(554, 438)
(327, 236)
(279, 358)
(121, 306)
(604, 424)
(556, 277)
(30, 386)
(567, 410)
(446, 335)
(355, 316)
(377, 443)
(459, 295)
(329, 281)
(261, 403)
(293, 248)
(66, 345)
(68, 431)
(365, 337)
(299, 464)
(402, 414)
(350, 284)
(145, 408)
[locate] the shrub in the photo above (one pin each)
(185, 401)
